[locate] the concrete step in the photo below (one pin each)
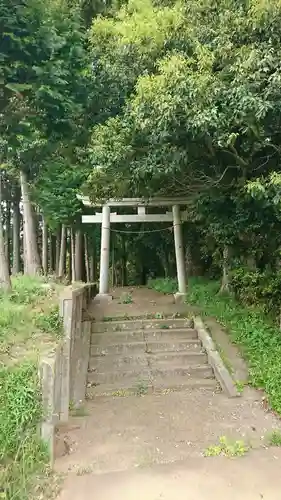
(104, 338)
(141, 324)
(152, 346)
(183, 358)
(143, 373)
(111, 361)
(166, 371)
(134, 387)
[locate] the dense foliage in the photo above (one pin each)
(156, 97)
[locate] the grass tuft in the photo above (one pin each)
(227, 448)
(274, 439)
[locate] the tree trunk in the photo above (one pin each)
(164, 259)
(8, 232)
(87, 259)
(124, 263)
(62, 251)
(73, 270)
(45, 247)
(51, 254)
(33, 265)
(58, 247)
(78, 255)
(68, 255)
(188, 260)
(225, 283)
(93, 264)
(5, 281)
(16, 237)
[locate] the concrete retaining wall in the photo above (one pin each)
(63, 373)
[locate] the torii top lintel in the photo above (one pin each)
(135, 202)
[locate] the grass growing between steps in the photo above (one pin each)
(29, 324)
(256, 335)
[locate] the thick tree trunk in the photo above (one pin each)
(33, 265)
(62, 252)
(45, 247)
(78, 255)
(5, 281)
(225, 283)
(16, 237)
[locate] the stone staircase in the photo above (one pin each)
(144, 355)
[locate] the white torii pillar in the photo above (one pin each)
(104, 255)
(180, 295)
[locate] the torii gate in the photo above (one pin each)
(106, 217)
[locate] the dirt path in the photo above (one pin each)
(151, 446)
(254, 477)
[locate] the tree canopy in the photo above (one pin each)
(127, 98)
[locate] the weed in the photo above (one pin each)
(164, 327)
(107, 319)
(240, 384)
(141, 388)
(120, 393)
(159, 315)
(80, 411)
(227, 448)
(126, 298)
(274, 439)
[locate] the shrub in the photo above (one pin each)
(258, 288)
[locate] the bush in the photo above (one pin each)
(258, 288)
